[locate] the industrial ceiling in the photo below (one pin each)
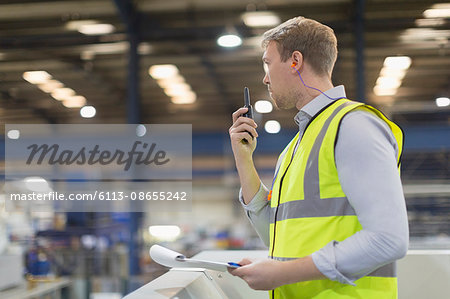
(36, 36)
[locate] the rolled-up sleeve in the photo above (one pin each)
(365, 156)
(258, 212)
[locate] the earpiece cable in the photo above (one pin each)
(334, 99)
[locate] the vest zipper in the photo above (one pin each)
(278, 204)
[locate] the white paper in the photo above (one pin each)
(173, 259)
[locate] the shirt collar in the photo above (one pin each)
(313, 107)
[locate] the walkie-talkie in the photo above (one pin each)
(247, 104)
(249, 112)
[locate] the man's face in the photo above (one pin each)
(277, 77)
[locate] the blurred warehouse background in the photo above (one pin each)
(187, 62)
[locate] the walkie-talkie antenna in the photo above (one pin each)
(246, 97)
(247, 104)
(249, 112)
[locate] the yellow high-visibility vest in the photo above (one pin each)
(309, 208)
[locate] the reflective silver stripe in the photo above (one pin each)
(283, 259)
(389, 270)
(311, 180)
(324, 207)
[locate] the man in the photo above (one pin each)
(334, 218)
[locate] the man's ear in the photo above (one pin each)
(297, 60)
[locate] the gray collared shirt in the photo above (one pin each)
(366, 161)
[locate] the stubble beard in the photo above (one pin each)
(284, 101)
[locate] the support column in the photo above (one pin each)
(131, 19)
(360, 47)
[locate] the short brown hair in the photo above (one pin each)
(315, 41)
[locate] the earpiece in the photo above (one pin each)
(293, 64)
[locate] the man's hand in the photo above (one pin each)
(241, 129)
(260, 275)
(269, 274)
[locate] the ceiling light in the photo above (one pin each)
(389, 82)
(260, 19)
(141, 130)
(393, 73)
(37, 77)
(186, 98)
(263, 106)
(13, 134)
(272, 126)
(75, 25)
(381, 91)
(163, 71)
(88, 111)
(229, 41)
(74, 102)
(438, 11)
(420, 34)
(442, 102)
(62, 94)
(177, 89)
(165, 232)
(110, 47)
(96, 29)
(164, 83)
(397, 62)
(429, 22)
(50, 86)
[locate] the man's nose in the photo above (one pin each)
(266, 79)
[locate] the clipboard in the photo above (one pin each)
(173, 259)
